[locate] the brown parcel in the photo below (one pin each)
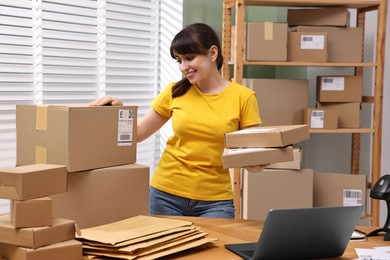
(307, 47)
(105, 195)
(321, 118)
(266, 41)
(32, 181)
(80, 137)
(349, 113)
(281, 101)
(67, 250)
(268, 136)
(242, 157)
(276, 189)
(330, 16)
(31, 213)
(295, 164)
(60, 230)
(339, 88)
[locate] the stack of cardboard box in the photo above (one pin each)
(97, 144)
(30, 232)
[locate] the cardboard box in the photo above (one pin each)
(271, 189)
(60, 230)
(270, 136)
(105, 195)
(281, 101)
(339, 88)
(295, 164)
(349, 113)
(80, 137)
(307, 47)
(32, 181)
(339, 189)
(266, 41)
(330, 16)
(321, 118)
(67, 250)
(344, 44)
(31, 213)
(242, 157)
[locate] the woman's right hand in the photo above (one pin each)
(106, 100)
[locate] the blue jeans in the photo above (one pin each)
(162, 203)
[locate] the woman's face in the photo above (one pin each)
(196, 67)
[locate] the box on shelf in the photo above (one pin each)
(272, 189)
(339, 88)
(321, 118)
(60, 230)
(344, 44)
(242, 157)
(105, 195)
(31, 213)
(268, 136)
(295, 164)
(307, 47)
(32, 181)
(67, 250)
(266, 41)
(79, 136)
(281, 101)
(329, 16)
(349, 113)
(339, 189)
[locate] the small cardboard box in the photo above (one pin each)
(105, 195)
(60, 230)
(271, 189)
(80, 137)
(270, 136)
(344, 44)
(32, 181)
(339, 189)
(281, 101)
(67, 250)
(330, 16)
(243, 157)
(349, 113)
(266, 41)
(339, 88)
(295, 164)
(307, 47)
(31, 213)
(321, 118)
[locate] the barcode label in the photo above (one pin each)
(125, 128)
(312, 42)
(327, 80)
(317, 119)
(352, 197)
(333, 84)
(307, 38)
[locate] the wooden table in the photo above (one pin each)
(241, 231)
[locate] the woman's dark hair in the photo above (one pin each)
(196, 38)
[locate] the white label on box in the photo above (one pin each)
(312, 42)
(317, 119)
(125, 128)
(352, 197)
(241, 150)
(333, 84)
(254, 130)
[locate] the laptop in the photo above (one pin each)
(302, 233)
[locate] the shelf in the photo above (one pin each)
(324, 3)
(342, 131)
(306, 64)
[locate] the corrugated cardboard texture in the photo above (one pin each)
(31, 213)
(341, 88)
(295, 164)
(281, 101)
(104, 195)
(61, 230)
(296, 52)
(32, 181)
(349, 113)
(80, 137)
(272, 189)
(268, 136)
(319, 17)
(67, 250)
(328, 120)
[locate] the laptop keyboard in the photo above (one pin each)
(248, 252)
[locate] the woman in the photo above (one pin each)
(190, 179)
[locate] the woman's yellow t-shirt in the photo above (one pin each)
(191, 164)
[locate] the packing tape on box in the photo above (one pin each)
(41, 118)
(268, 31)
(40, 154)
